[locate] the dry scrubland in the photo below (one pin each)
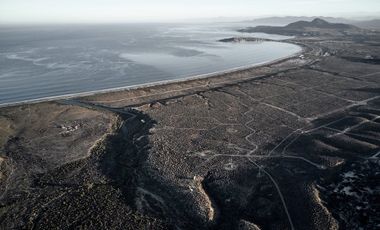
(291, 145)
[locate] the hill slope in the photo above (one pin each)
(304, 28)
(283, 21)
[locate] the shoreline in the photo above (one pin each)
(283, 138)
(160, 83)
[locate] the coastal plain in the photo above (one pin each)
(294, 144)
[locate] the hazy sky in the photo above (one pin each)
(50, 11)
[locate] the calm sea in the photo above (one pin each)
(45, 61)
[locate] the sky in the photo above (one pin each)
(103, 11)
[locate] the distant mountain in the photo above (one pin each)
(305, 28)
(282, 21)
(318, 23)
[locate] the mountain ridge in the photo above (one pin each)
(319, 23)
(317, 26)
(373, 24)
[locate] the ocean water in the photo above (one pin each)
(47, 61)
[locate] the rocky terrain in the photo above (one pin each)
(290, 145)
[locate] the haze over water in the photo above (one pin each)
(46, 61)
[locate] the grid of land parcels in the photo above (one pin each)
(291, 145)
